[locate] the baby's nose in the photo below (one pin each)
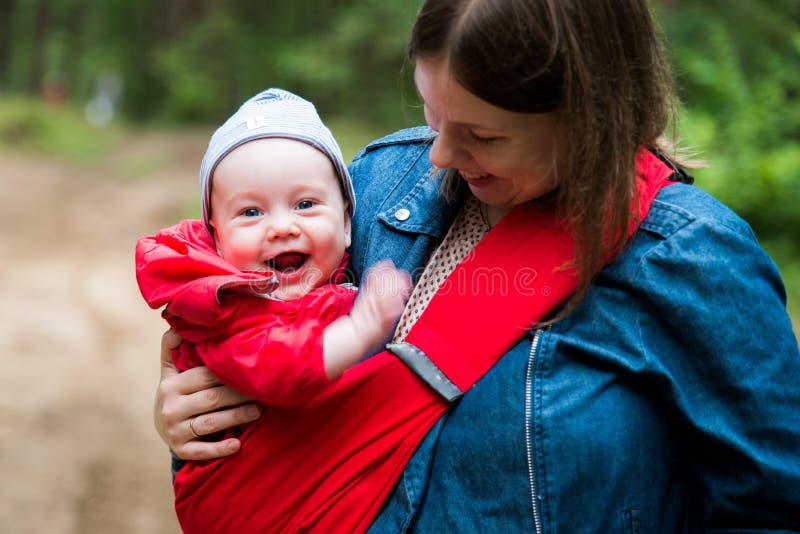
(281, 225)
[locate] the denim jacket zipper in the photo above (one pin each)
(528, 438)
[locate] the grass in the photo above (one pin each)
(27, 124)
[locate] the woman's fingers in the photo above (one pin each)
(200, 450)
(165, 394)
(209, 423)
(188, 382)
(192, 394)
(196, 380)
(169, 342)
(195, 393)
(188, 447)
(193, 404)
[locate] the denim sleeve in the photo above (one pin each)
(719, 339)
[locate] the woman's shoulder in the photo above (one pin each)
(682, 209)
(692, 240)
(696, 265)
(408, 136)
(397, 157)
(691, 247)
(391, 168)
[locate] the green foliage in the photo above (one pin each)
(361, 56)
(738, 68)
(196, 88)
(195, 61)
(346, 59)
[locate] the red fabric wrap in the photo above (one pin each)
(512, 279)
(495, 295)
(328, 466)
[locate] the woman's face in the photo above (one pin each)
(507, 158)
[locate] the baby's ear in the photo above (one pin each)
(347, 233)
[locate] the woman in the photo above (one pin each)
(660, 397)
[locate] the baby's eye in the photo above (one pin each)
(251, 212)
(305, 204)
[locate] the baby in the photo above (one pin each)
(256, 289)
(270, 252)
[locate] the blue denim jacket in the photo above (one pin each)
(668, 401)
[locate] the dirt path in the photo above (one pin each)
(79, 348)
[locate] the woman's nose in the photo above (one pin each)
(447, 151)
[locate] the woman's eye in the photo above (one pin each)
(305, 204)
(431, 118)
(482, 140)
(251, 212)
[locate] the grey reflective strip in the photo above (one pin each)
(419, 362)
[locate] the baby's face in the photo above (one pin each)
(276, 205)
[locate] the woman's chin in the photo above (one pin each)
(487, 194)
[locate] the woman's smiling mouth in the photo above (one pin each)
(477, 180)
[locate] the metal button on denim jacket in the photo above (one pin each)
(666, 402)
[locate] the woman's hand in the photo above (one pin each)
(196, 396)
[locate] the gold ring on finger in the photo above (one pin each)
(191, 427)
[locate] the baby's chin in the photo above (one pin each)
(296, 288)
(294, 283)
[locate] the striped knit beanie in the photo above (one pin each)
(272, 113)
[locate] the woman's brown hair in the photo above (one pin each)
(599, 62)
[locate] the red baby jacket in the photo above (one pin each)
(268, 349)
(320, 445)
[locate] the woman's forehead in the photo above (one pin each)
(448, 100)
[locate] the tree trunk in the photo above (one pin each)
(41, 21)
(74, 46)
(6, 21)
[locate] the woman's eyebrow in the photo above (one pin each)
(471, 125)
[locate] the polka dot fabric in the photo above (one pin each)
(467, 229)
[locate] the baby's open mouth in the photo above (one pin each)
(288, 262)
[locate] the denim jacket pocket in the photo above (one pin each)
(630, 520)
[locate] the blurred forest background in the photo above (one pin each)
(105, 111)
(135, 63)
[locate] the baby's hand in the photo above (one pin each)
(383, 295)
(381, 299)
